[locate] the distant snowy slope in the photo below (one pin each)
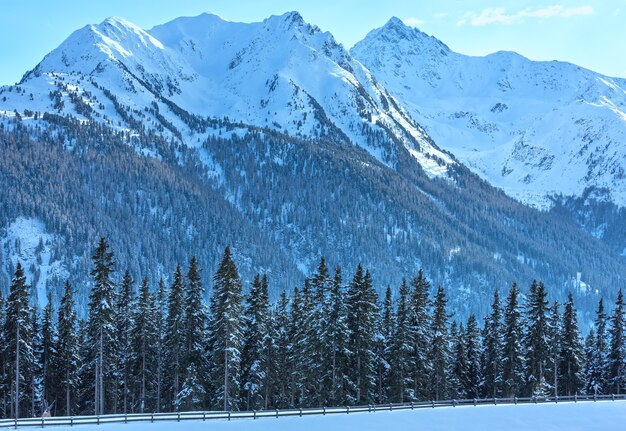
(532, 128)
(584, 416)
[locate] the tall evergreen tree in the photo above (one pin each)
(512, 353)
(18, 348)
(161, 327)
(144, 347)
(617, 349)
(421, 325)
(554, 348)
(493, 343)
(472, 378)
(256, 357)
(362, 304)
(402, 349)
(384, 341)
(48, 359)
(281, 376)
(194, 364)
(67, 361)
(101, 331)
(458, 361)
(123, 353)
(439, 353)
(34, 372)
(596, 364)
(536, 343)
(226, 333)
(174, 341)
(571, 356)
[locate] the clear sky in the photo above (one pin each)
(591, 33)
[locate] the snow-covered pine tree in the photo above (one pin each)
(536, 344)
(67, 354)
(571, 357)
(161, 328)
(123, 329)
(554, 348)
(512, 351)
(473, 378)
(194, 363)
(596, 364)
(294, 356)
(226, 333)
(384, 341)
(401, 389)
(34, 373)
(281, 375)
(458, 361)
(18, 349)
(320, 285)
(588, 368)
(48, 358)
(617, 348)
(362, 303)
(268, 346)
(439, 351)
(255, 357)
(174, 340)
(101, 339)
(492, 341)
(421, 329)
(144, 351)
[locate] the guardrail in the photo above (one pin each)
(232, 415)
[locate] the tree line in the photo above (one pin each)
(331, 342)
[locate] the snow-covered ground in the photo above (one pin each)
(583, 416)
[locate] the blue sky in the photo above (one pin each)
(588, 33)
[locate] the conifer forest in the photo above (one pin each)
(151, 346)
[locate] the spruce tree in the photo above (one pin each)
(536, 343)
(571, 357)
(161, 328)
(282, 370)
(226, 333)
(67, 357)
(174, 340)
(617, 349)
(48, 358)
(589, 367)
(401, 349)
(362, 304)
(596, 377)
(101, 332)
(144, 347)
(255, 357)
(512, 353)
(458, 361)
(439, 352)
(194, 364)
(472, 379)
(33, 374)
(124, 326)
(421, 325)
(493, 343)
(554, 348)
(18, 348)
(384, 342)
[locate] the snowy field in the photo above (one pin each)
(583, 416)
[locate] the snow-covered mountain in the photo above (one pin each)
(281, 73)
(273, 138)
(535, 129)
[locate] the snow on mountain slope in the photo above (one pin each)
(534, 129)
(27, 241)
(281, 73)
(583, 416)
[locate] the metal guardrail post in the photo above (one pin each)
(125, 418)
(412, 406)
(348, 410)
(432, 402)
(178, 416)
(254, 415)
(474, 402)
(228, 414)
(71, 421)
(43, 418)
(515, 400)
(152, 418)
(16, 423)
(98, 420)
(276, 413)
(612, 397)
(453, 403)
(203, 416)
